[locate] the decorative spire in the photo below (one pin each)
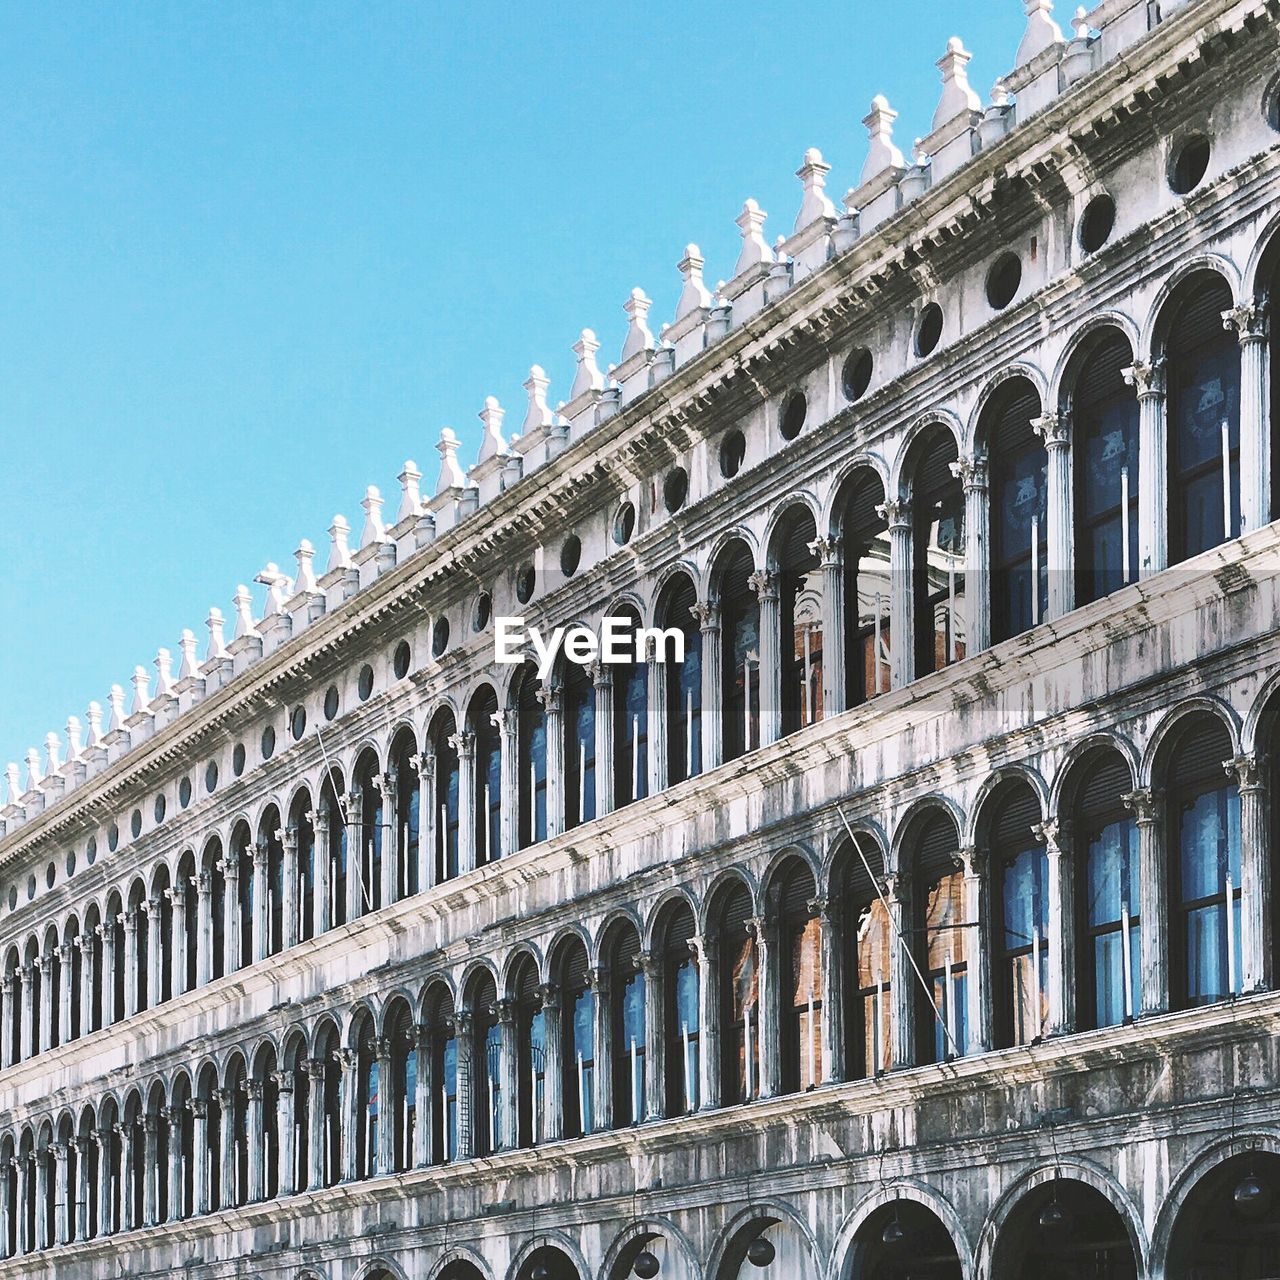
(755, 249)
(243, 601)
(52, 754)
(958, 97)
(339, 551)
(141, 695)
(694, 294)
(639, 336)
(15, 787)
(410, 492)
(217, 641)
(538, 415)
(451, 476)
(1080, 24)
(164, 673)
(882, 154)
(1041, 33)
(75, 748)
(33, 769)
(94, 716)
(115, 700)
(305, 555)
(999, 94)
(374, 530)
(816, 203)
(187, 668)
(492, 445)
(278, 589)
(588, 376)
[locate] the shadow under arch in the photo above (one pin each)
(903, 1230)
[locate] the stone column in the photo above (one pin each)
(1056, 835)
(5, 1166)
(173, 1117)
(42, 1200)
(66, 971)
(425, 1098)
(388, 1105)
(902, 656)
(466, 1085)
(126, 1135)
(552, 1014)
(355, 854)
(833, 1055)
(103, 1137)
(829, 551)
(26, 976)
(10, 985)
(549, 696)
(976, 864)
(1153, 899)
(1055, 430)
(602, 1036)
(261, 924)
(178, 923)
(199, 1155)
(903, 982)
(972, 474)
(83, 1191)
(348, 1062)
(107, 932)
(150, 1167)
(769, 1040)
(149, 909)
(227, 1147)
(464, 743)
(286, 1122)
(320, 891)
(1255, 873)
(257, 1140)
(1250, 322)
(22, 1167)
(656, 725)
(651, 1104)
(507, 724)
(204, 929)
(393, 855)
(706, 951)
(507, 1067)
(602, 678)
(1153, 462)
(231, 913)
(316, 1123)
(289, 934)
(131, 993)
(764, 582)
(45, 963)
(62, 1220)
(87, 976)
(712, 716)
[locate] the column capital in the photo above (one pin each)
(829, 548)
(701, 946)
(254, 1089)
(81, 1144)
(283, 1081)
(261, 852)
(382, 1047)
(85, 942)
(226, 1097)
(506, 721)
(895, 512)
(1248, 770)
(1054, 429)
(820, 908)
(151, 1123)
(601, 675)
(204, 884)
(65, 950)
(971, 471)
(897, 884)
(757, 927)
(46, 964)
(464, 1023)
(549, 696)
(314, 1068)
(507, 1011)
(1054, 834)
(649, 965)
(1144, 805)
(1249, 320)
(764, 582)
(173, 1115)
(60, 1151)
(199, 1108)
(464, 741)
(102, 1135)
(599, 978)
(1147, 379)
(549, 994)
(972, 859)
(707, 614)
(289, 838)
(347, 1059)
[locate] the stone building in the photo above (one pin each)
(918, 924)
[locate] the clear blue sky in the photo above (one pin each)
(254, 255)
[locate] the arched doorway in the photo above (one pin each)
(902, 1239)
(548, 1263)
(1229, 1226)
(1064, 1230)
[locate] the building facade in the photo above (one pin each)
(919, 924)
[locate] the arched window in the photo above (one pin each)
(141, 954)
(1203, 825)
(578, 701)
(487, 801)
(1019, 510)
(1104, 430)
(367, 866)
(307, 905)
(269, 834)
(402, 1099)
(326, 1054)
(212, 868)
(408, 817)
(627, 1017)
(682, 681)
(942, 939)
(1108, 984)
(442, 1058)
(532, 758)
(1020, 871)
(740, 653)
(577, 1040)
(740, 1050)
(442, 740)
(531, 1053)
(486, 1068)
(869, 948)
(800, 970)
(235, 1100)
(265, 1084)
(1203, 378)
(938, 550)
(682, 1047)
(116, 923)
(368, 1108)
(242, 851)
(865, 551)
(800, 614)
(630, 726)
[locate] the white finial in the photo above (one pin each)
(639, 336)
(217, 641)
(755, 248)
(451, 476)
(410, 491)
(15, 787)
(1041, 33)
(374, 530)
(999, 93)
(74, 746)
(52, 754)
(1080, 24)
(957, 95)
(187, 647)
(278, 588)
(816, 203)
(882, 154)
(538, 415)
(492, 445)
(588, 376)
(339, 551)
(305, 555)
(164, 673)
(243, 601)
(94, 716)
(115, 700)
(141, 682)
(33, 769)
(694, 294)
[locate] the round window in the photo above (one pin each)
(929, 330)
(624, 524)
(675, 489)
(439, 640)
(184, 792)
(237, 759)
(159, 809)
(525, 583)
(113, 837)
(135, 823)
(1097, 223)
(1003, 280)
(1271, 105)
(571, 555)
(71, 863)
(331, 702)
(733, 452)
(364, 682)
(31, 887)
(856, 375)
(400, 660)
(210, 777)
(1188, 164)
(483, 612)
(50, 875)
(13, 897)
(793, 417)
(91, 850)
(268, 742)
(298, 723)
